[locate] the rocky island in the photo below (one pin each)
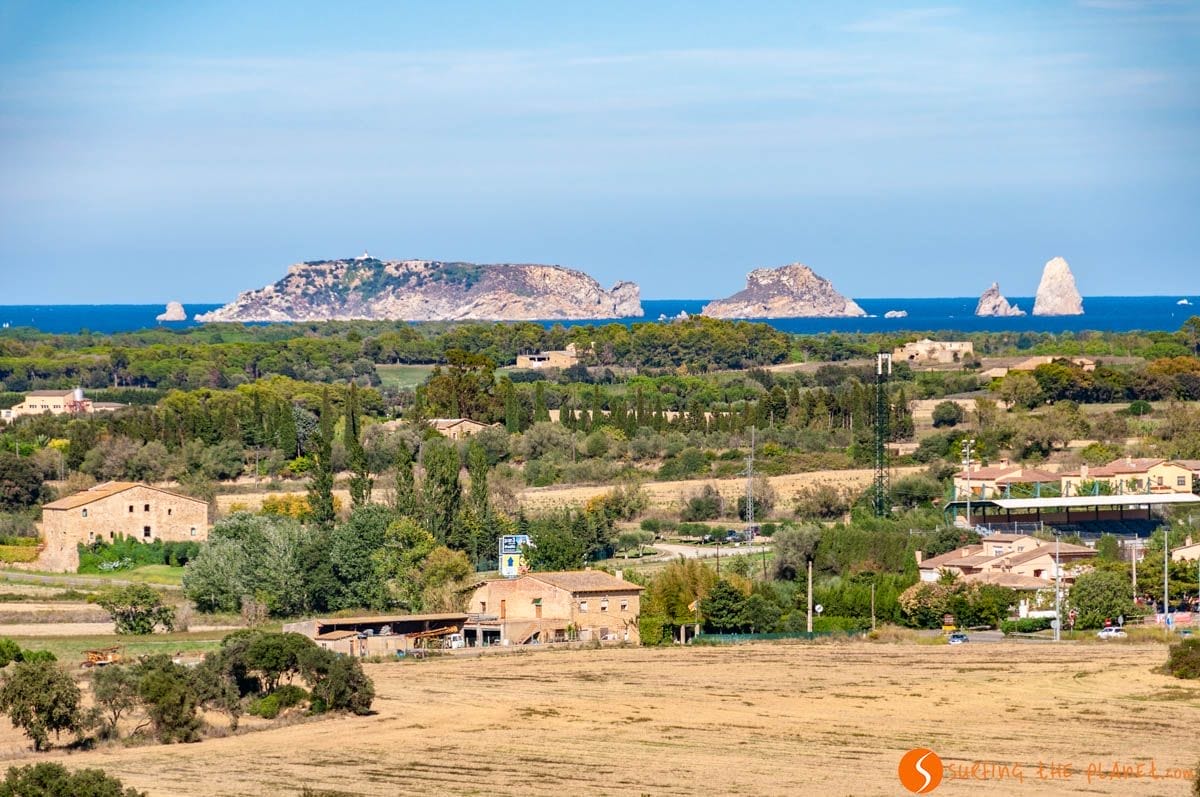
(430, 290)
(993, 303)
(792, 291)
(1056, 293)
(173, 312)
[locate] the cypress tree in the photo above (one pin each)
(320, 487)
(540, 413)
(360, 478)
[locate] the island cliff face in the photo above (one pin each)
(1056, 293)
(791, 291)
(992, 302)
(430, 290)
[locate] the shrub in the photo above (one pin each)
(36, 656)
(1183, 659)
(9, 651)
(45, 779)
(705, 506)
(947, 413)
(1025, 625)
(137, 609)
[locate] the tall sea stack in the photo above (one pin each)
(1057, 294)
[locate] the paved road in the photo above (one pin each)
(672, 550)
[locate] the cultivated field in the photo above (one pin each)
(809, 719)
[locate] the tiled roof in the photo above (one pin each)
(1139, 465)
(585, 581)
(989, 473)
(1029, 476)
(106, 490)
(1047, 549)
(1010, 580)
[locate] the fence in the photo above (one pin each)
(738, 639)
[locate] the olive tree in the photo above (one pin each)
(41, 698)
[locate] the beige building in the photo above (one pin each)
(1188, 552)
(457, 428)
(934, 352)
(1007, 559)
(1130, 476)
(557, 607)
(997, 481)
(382, 635)
(1031, 363)
(56, 402)
(117, 509)
(549, 359)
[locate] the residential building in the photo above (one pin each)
(550, 359)
(1128, 476)
(117, 509)
(933, 352)
(1000, 481)
(457, 428)
(56, 402)
(1188, 552)
(1030, 363)
(999, 557)
(556, 607)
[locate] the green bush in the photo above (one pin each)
(1183, 659)
(1025, 625)
(285, 696)
(46, 779)
(36, 656)
(9, 652)
(127, 552)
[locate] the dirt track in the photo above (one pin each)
(825, 719)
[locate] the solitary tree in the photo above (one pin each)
(796, 549)
(137, 609)
(114, 688)
(41, 698)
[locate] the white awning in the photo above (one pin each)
(1101, 501)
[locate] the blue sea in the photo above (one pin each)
(1105, 313)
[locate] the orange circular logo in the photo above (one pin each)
(920, 770)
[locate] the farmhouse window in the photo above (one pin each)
(1180, 481)
(146, 531)
(583, 606)
(145, 507)
(85, 512)
(131, 507)
(604, 605)
(624, 604)
(168, 511)
(193, 531)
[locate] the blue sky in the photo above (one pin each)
(189, 151)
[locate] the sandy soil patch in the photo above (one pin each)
(829, 719)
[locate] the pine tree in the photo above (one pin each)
(360, 478)
(320, 488)
(441, 494)
(286, 437)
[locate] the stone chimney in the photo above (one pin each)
(620, 575)
(1083, 471)
(920, 556)
(1188, 541)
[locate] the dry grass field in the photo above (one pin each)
(764, 719)
(666, 495)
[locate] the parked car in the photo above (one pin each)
(958, 638)
(1111, 633)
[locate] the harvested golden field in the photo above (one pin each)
(809, 719)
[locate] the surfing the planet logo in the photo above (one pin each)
(920, 770)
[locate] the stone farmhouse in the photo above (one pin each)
(549, 359)
(934, 352)
(556, 607)
(117, 509)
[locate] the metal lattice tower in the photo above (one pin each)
(883, 414)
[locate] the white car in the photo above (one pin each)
(1111, 633)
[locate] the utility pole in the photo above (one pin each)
(872, 605)
(883, 373)
(1057, 590)
(809, 594)
(1166, 530)
(1134, 556)
(967, 444)
(750, 490)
